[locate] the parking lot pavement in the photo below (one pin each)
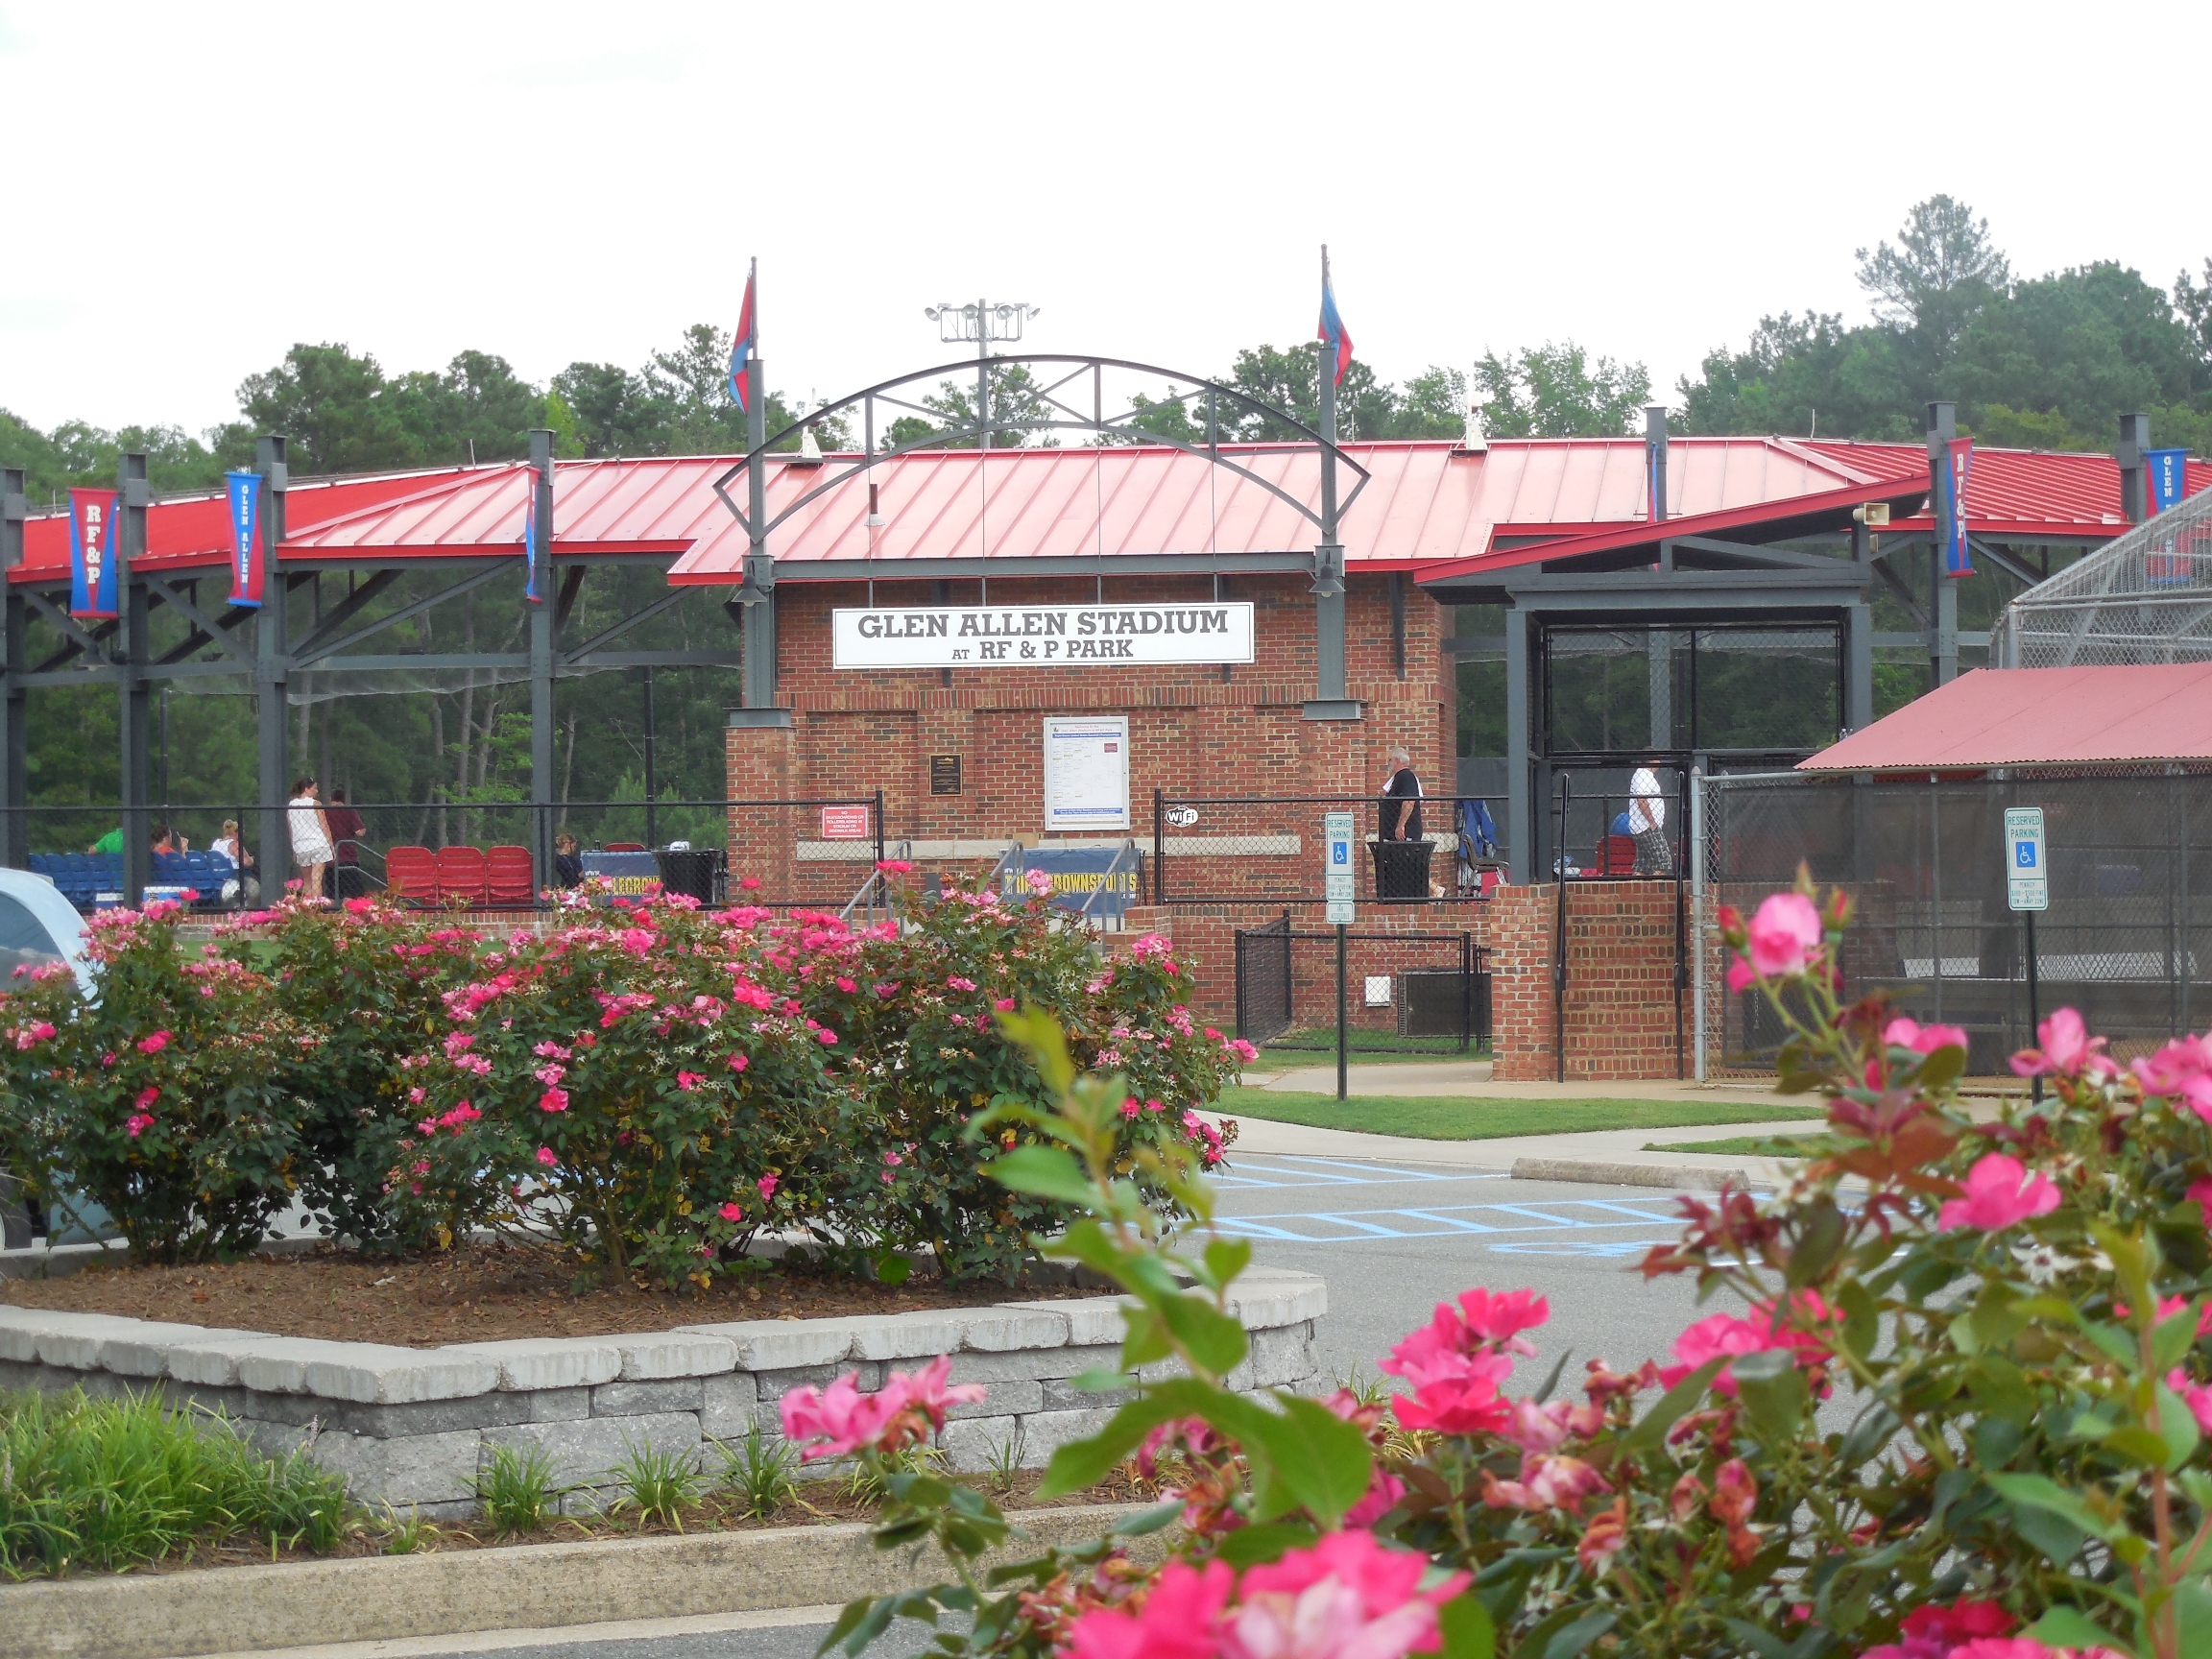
(1395, 1237)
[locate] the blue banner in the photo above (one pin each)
(1957, 560)
(1075, 878)
(2168, 478)
(246, 561)
(94, 550)
(530, 586)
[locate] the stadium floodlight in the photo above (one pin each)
(979, 321)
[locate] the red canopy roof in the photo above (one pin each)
(2038, 717)
(194, 531)
(1427, 502)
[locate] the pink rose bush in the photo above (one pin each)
(655, 1084)
(1950, 1398)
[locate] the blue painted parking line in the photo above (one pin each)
(1444, 1220)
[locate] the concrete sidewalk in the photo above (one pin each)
(1596, 1146)
(1472, 1079)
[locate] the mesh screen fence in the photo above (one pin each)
(2145, 598)
(2126, 939)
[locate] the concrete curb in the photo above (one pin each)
(293, 1604)
(1676, 1175)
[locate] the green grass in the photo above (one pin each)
(1458, 1117)
(1744, 1147)
(110, 1483)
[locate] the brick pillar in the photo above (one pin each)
(764, 765)
(1619, 982)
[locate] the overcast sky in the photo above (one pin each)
(195, 187)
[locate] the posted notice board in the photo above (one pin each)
(1087, 773)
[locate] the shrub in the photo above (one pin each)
(2008, 1319)
(163, 1097)
(366, 983)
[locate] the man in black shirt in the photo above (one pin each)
(1397, 823)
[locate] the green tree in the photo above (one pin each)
(1552, 390)
(333, 408)
(1930, 287)
(1014, 399)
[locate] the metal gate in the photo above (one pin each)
(1263, 980)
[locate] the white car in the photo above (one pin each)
(38, 926)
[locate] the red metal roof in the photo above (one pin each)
(2013, 493)
(2038, 716)
(1428, 502)
(1778, 520)
(194, 531)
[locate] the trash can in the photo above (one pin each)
(696, 872)
(1402, 870)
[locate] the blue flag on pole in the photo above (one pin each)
(530, 590)
(1334, 336)
(746, 343)
(1957, 560)
(94, 553)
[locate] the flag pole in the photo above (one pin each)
(759, 641)
(1330, 701)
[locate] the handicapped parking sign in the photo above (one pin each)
(1337, 834)
(2027, 880)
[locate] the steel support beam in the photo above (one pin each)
(1858, 668)
(134, 606)
(319, 656)
(544, 656)
(1331, 701)
(273, 671)
(758, 592)
(1520, 808)
(14, 726)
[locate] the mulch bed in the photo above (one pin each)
(479, 1293)
(816, 1504)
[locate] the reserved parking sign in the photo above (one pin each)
(2026, 879)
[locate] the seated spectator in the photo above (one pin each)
(567, 863)
(165, 840)
(112, 842)
(345, 831)
(240, 880)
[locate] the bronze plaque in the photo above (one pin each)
(943, 773)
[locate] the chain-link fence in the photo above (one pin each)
(2128, 933)
(1614, 824)
(2143, 597)
(1404, 993)
(1267, 850)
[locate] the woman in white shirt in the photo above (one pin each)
(310, 837)
(241, 880)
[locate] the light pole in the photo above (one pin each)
(984, 322)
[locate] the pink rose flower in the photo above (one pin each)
(1785, 935)
(889, 867)
(732, 1213)
(2068, 1050)
(553, 1101)
(152, 1044)
(1923, 1039)
(1181, 1618)
(738, 1061)
(1349, 1596)
(689, 1081)
(1999, 1194)
(839, 1419)
(826, 1037)
(137, 1123)
(546, 1158)
(2183, 1070)
(1004, 1004)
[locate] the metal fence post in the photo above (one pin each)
(879, 826)
(1698, 910)
(1159, 847)
(1559, 942)
(1340, 1058)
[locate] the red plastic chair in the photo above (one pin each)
(624, 846)
(412, 875)
(1617, 856)
(462, 874)
(510, 879)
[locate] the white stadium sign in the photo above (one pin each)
(1040, 635)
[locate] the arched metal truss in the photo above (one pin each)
(1126, 424)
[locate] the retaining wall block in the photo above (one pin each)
(674, 1354)
(644, 1399)
(780, 1345)
(1003, 1399)
(1091, 1320)
(488, 1411)
(584, 1452)
(22, 1329)
(974, 1444)
(278, 1364)
(547, 1363)
(1003, 1330)
(374, 1375)
(921, 1335)
(557, 1405)
(726, 1403)
(144, 1349)
(1044, 1433)
(1042, 1362)
(1065, 1396)
(773, 1386)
